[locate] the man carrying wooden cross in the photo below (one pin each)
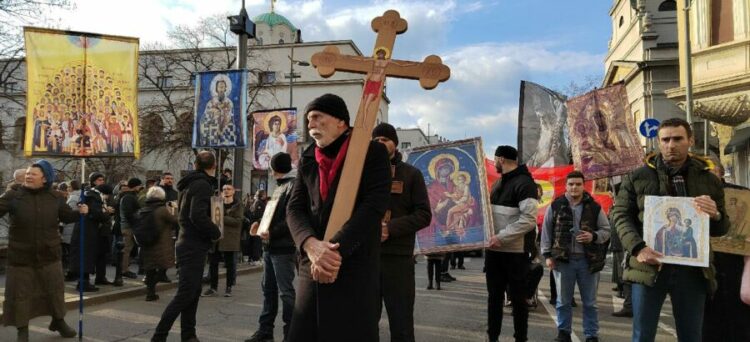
(342, 192)
(338, 294)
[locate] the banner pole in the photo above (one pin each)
(82, 233)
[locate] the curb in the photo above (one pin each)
(135, 291)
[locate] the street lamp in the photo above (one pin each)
(291, 75)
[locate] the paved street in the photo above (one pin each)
(457, 313)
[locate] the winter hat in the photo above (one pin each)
(330, 104)
(94, 176)
(48, 170)
(507, 152)
(133, 182)
(281, 162)
(385, 130)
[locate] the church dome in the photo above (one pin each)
(272, 19)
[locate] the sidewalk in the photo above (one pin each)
(130, 288)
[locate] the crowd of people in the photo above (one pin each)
(342, 284)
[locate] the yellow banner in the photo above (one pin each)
(82, 94)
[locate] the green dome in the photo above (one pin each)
(272, 19)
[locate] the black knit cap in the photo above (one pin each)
(281, 162)
(330, 104)
(507, 152)
(133, 182)
(385, 130)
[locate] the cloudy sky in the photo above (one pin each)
(490, 46)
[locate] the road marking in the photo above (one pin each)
(541, 298)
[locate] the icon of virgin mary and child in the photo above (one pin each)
(675, 238)
(453, 206)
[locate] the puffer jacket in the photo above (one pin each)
(514, 208)
(652, 180)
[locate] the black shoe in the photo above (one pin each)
(102, 282)
(461, 267)
(62, 328)
(260, 337)
(449, 276)
(130, 275)
(592, 339)
(191, 339)
(563, 336)
(118, 282)
(623, 313)
(152, 297)
(87, 287)
(22, 334)
(228, 291)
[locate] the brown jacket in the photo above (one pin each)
(161, 254)
(232, 228)
(34, 235)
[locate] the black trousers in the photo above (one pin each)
(506, 270)
(457, 258)
(191, 261)
(102, 255)
(726, 317)
(434, 268)
(397, 290)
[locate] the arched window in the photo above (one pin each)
(622, 21)
(152, 130)
(668, 5)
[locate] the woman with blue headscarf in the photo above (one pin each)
(34, 282)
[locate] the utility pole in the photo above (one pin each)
(245, 29)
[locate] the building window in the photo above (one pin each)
(622, 21)
(10, 87)
(281, 41)
(722, 22)
(668, 5)
(165, 81)
(192, 79)
(19, 132)
(405, 145)
(267, 77)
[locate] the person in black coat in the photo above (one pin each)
(338, 291)
(92, 222)
(197, 234)
(409, 212)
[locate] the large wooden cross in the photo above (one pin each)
(430, 72)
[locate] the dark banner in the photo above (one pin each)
(542, 127)
(602, 133)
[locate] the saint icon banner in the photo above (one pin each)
(672, 226)
(82, 94)
(220, 106)
(274, 131)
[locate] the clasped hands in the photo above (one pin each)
(325, 260)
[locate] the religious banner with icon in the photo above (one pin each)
(542, 127)
(220, 106)
(82, 94)
(674, 227)
(274, 131)
(603, 136)
(456, 185)
(737, 239)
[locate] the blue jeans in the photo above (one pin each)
(566, 277)
(687, 289)
(278, 276)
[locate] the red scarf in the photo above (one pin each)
(328, 167)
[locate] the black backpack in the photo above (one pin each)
(145, 230)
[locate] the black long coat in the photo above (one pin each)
(346, 310)
(92, 223)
